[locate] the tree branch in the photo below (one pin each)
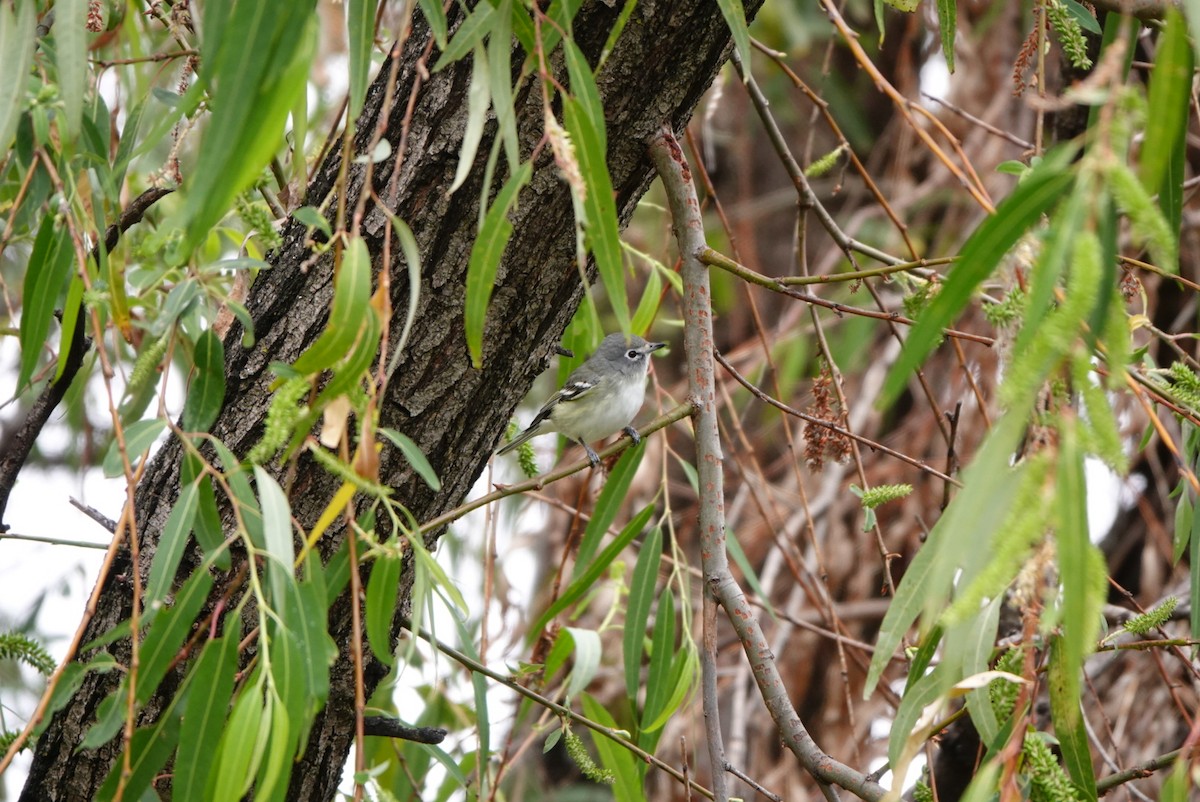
(17, 443)
(719, 584)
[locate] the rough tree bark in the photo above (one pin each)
(665, 59)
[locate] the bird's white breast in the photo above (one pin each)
(591, 422)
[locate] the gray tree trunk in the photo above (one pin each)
(663, 62)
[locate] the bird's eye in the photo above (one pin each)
(632, 354)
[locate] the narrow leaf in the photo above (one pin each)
(637, 610)
(1170, 92)
(70, 38)
(980, 641)
(1068, 721)
(17, 41)
(256, 62)
(612, 498)
(361, 25)
(947, 12)
(586, 651)
(172, 543)
(206, 394)
(168, 631)
(478, 101)
(1021, 210)
(234, 767)
(415, 456)
(208, 698)
(138, 437)
(989, 487)
(382, 594)
(601, 225)
(149, 750)
(1082, 569)
(277, 534)
(436, 17)
(484, 262)
(584, 582)
(735, 17)
(470, 33)
(351, 300)
(658, 674)
(45, 280)
(71, 311)
(627, 785)
(412, 260)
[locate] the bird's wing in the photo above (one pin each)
(573, 390)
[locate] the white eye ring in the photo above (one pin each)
(632, 354)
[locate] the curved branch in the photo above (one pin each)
(719, 582)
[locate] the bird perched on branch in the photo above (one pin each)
(601, 397)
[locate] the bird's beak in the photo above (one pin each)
(650, 347)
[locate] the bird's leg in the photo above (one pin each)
(593, 457)
(633, 435)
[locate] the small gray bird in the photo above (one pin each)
(600, 398)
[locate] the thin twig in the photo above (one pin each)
(711, 257)
(537, 483)
(617, 736)
(833, 427)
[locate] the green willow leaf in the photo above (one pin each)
(585, 648)
(206, 394)
(138, 437)
(1018, 213)
(474, 28)
(1084, 17)
(1068, 721)
(382, 594)
(412, 260)
(595, 568)
(71, 311)
(979, 642)
(612, 498)
(71, 54)
(149, 750)
(637, 610)
(947, 13)
(17, 41)
(583, 116)
(46, 278)
(436, 17)
(208, 697)
(415, 456)
(172, 544)
(351, 306)
(277, 535)
(1081, 566)
(361, 25)
(240, 747)
(256, 61)
(627, 785)
(169, 630)
(484, 262)
(735, 17)
(479, 99)
(989, 485)
(924, 692)
(1170, 93)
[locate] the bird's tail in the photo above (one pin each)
(523, 437)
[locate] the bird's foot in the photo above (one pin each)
(633, 435)
(592, 456)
